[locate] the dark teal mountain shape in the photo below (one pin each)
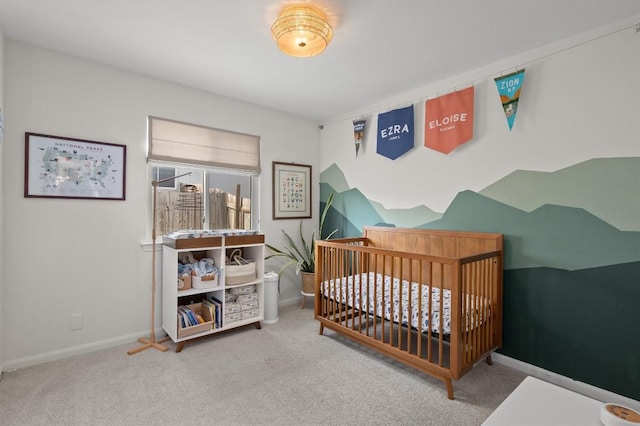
(551, 236)
(335, 221)
(581, 324)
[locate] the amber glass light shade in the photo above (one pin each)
(302, 31)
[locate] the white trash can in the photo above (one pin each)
(271, 298)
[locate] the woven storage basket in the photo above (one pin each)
(239, 270)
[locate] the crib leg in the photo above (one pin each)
(321, 329)
(489, 360)
(449, 388)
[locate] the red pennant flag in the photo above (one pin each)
(449, 121)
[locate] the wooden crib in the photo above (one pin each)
(431, 299)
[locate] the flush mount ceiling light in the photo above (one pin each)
(302, 30)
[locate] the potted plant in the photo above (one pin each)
(303, 255)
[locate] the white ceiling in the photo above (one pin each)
(381, 48)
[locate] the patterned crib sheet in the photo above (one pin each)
(362, 288)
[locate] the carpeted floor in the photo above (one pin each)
(283, 374)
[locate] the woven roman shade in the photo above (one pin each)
(178, 142)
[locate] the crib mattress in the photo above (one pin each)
(353, 290)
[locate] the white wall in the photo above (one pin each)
(580, 100)
(65, 257)
(1, 192)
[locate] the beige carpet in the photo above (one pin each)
(284, 374)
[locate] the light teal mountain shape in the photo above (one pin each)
(406, 218)
(609, 188)
(352, 205)
(361, 211)
(551, 236)
(335, 178)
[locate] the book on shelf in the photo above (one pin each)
(190, 315)
(217, 309)
(215, 312)
(184, 319)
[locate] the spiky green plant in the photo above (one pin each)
(303, 257)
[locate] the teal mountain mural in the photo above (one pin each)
(361, 211)
(572, 261)
(600, 186)
(551, 236)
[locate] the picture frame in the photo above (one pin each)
(291, 191)
(61, 167)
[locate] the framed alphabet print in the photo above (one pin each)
(59, 167)
(291, 191)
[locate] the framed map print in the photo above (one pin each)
(291, 191)
(58, 167)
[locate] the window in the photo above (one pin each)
(161, 173)
(221, 187)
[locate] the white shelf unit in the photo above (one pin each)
(214, 248)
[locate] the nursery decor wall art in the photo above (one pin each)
(59, 167)
(449, 120)
(395, 132)
(291, 191)
(358, 133)
(509, 90)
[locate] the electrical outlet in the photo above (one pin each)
(75, 322)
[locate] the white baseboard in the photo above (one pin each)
(96, 346)
(76, 350)
(566, 382)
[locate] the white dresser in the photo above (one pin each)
(536, 403)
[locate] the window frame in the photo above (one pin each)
(254, 186)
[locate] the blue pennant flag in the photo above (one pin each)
(395, 132)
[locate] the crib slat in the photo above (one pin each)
(473, 331)
(430, 322)
(475, 327)
(456, 358)
(358, 273)
(410, 308)
(420, 330)
(440, 322)
(484, 306)
(375, 293)
(401, 285)
(335, 284)
(465, 290)
(389, 295)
